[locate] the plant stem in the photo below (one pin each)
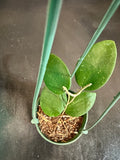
(111, 10)
(73, 95)
(116, 98)
(76, 94)
(53, 12)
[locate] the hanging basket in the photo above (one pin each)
(53, 13)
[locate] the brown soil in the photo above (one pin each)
(59, 129)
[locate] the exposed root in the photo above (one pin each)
(59, 129)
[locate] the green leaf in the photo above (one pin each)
(51, 104)
(81, 104)
(64, 98)
(57, 75)
(98, 65)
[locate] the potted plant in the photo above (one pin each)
(60, 115)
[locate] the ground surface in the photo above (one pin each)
(21, 33)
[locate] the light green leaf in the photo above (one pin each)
(57, 75)
(81, 104)
(98, 65)
(51, 104)
(64, 98)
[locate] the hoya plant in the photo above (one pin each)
(95, 70)
(60, 114)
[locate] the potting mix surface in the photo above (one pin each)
(59, 129)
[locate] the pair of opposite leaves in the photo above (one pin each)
(96, 68)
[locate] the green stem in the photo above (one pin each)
(116, 98)
(111, 10)
(53, 12)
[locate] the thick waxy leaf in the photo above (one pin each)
(81, 104)
(57, 75)
(51, 104)
(64, 98)
(98, 65)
